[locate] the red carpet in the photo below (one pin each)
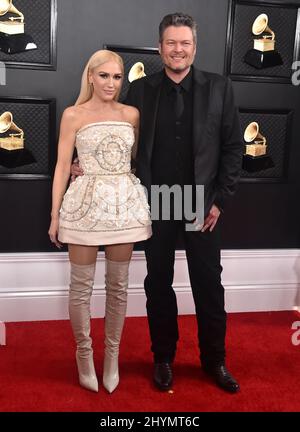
(38, 371)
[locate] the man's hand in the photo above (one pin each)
(210, 221)
(76, 170)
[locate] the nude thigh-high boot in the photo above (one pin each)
(116, 283)
(81, 287)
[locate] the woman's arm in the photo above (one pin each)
(135, 121)
(62, 170)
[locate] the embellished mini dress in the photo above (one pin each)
(108, 204)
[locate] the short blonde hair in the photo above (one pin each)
(97, 59)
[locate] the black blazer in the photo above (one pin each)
(217, 141)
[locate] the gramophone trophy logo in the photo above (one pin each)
(137, 71)
(13, 38)
(255, 158)
(12, 151)
(263, 54)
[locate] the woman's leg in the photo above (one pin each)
(116, 283)
(83, 264)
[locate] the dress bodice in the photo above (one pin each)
(108, 204)
(104, 148)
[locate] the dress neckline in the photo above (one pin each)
(104, 122)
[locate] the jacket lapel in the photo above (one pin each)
(201, 92)
(152, 94)
(200, 107)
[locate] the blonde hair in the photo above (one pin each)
(96, 60)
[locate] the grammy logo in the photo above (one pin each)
(13, 38)
(255, 157)
(137, 71)
(258, 146)
(12, 151)
(263, 54)
(15, 140)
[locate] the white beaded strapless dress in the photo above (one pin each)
(108, 204)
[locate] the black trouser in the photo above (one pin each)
(203, 258)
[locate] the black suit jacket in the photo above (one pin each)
(217, 142)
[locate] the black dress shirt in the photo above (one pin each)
(172, 157)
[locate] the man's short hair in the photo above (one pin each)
(178, 19)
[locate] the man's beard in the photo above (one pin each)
(177, 70)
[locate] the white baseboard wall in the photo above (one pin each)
(34, 286)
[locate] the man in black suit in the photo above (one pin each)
(189, 135)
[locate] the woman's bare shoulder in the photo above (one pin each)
(72, 112)
(72, 116)
(130, 113)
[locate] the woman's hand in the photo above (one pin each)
(53, 232)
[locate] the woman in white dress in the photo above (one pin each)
(106, 206)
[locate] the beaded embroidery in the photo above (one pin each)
(108, 196)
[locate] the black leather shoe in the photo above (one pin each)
(163, 376)
(222, 378)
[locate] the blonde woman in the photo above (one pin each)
(106, 206)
